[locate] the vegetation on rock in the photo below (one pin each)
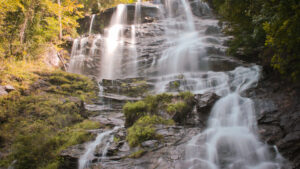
(142, 116)
(42, 116)
(144, 129)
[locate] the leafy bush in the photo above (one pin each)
(133, 111)
(144, 129)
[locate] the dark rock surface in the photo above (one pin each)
(278, 113)
(71, 156)
(149, 13)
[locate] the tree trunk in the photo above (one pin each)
(23, 28)
(59, 18)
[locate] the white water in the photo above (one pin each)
(85, 159)
(230, 140)
(80, 54)
(91, 24)
(77, 56)
(114, 42)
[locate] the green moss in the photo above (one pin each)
(137, 154)
(144, 129)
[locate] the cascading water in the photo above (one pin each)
(91, 24)
(230, 140)
(85, 159)
(78, 56)
(193, 57)
(114, 43)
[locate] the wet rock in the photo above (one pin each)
(200, 8)
(131, 87)
(149, 143)
(71, 156)
(111, 119)
(204, 104)
(278, 116)
(166, 155)
(212, 30)
(149, 13)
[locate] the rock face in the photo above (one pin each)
(278, 117)
(204, 104)
(71, 156)
(102, 20)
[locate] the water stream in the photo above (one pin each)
(193, 56)
(88, 156)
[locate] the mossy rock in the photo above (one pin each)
(45, 119)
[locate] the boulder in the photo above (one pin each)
(204, 104)
(9, 88)
(3, 91)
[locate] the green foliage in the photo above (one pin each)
(157, 104)
(177, 107)
(262, 26)
(186, 96)
(134, 111)
(28, 26)
(144, 129)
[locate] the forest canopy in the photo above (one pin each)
(27, 27)
(268, 29)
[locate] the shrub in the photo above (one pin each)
(133, 111)
(144, 129)
(180, 110)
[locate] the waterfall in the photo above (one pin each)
(91, 24)
(192, 54)
(114, 43)
(84, 51)
(182, 37)
(78, 56)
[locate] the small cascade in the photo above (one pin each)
(85, 159)
(114, 43)
(132, 69)
(85, 52)
(137, 13)
(78, 56)
(91, 24)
